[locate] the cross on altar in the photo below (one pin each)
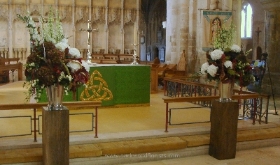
(89, 30)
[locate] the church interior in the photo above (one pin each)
(155, 106)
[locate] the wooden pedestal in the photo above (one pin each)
(223, 134)
(55, 136)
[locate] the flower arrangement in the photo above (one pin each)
(227, 63)
(52, 61)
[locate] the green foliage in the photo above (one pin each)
(224, 37)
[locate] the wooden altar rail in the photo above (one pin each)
(190, 87)
(35, 106)
(176, 87)
(249, 95)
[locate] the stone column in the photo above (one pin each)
(106, 31)
(137, 33)
(171, 30)
(122, 27)
(272, 43)
(193, 24)
(236, 19)
(11, 33)
(177, 29)
(184, 29)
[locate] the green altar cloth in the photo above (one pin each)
(115, 84)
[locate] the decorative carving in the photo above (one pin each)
(82, 14)
(98, 14)
(35, 10)
(114, 15)
(129, 16)
(4, 14)
(19, 10)
(65, 13)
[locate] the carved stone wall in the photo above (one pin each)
(115, 21)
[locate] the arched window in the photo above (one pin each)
(246, 21)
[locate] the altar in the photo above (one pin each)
(114, 84)
(117, 84)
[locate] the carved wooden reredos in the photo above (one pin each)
(115, 20)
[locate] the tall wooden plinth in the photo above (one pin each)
(223, 134)
(55, 136)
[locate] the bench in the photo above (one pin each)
(7, 65)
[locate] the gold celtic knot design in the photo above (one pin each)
(96, 89)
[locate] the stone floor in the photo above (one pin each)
(127, 123)
(258, 156)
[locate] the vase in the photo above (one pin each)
(225, 92)
(55, 97)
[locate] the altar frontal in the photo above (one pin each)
(114, 85)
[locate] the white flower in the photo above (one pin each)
(74, 65)
(50, 39)
(204, 67)
(69, 77)
(64, 40)
(216, 54)
(31, 22)
(235, 48)
(61, 46)
(228, 64)
(31, 64)
(75, 52)
(86, 65)
(63, 76)
(212, 70)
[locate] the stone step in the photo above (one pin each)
(137, 146)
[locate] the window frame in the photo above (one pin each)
(245, 23)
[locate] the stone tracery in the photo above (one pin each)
(98, 15)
